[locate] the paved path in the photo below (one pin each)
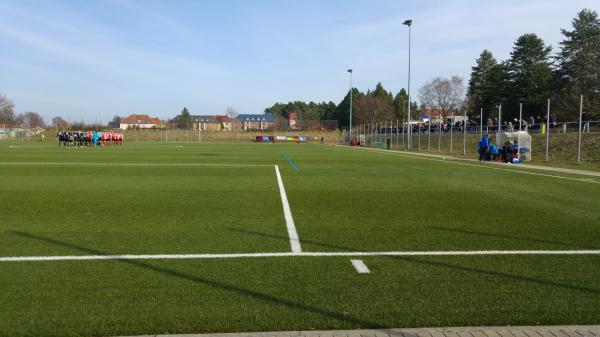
(527, 166)
(502, 331)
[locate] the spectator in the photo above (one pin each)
(484, 144)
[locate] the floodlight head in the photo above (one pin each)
(408, 23)
(349, 71)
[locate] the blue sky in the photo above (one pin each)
(90, 60)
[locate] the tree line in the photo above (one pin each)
(533, 74)
(375, 105)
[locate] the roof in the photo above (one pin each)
(139, 119)
(223, 118)
(255, 117)
(204, 119)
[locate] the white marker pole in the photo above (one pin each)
(481, 122)
(451, 129)
(547, 129)
(465, 134)
(579, 131)
(520, 115)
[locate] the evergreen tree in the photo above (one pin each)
(530, 75)
(184, 119)
(481, 92)
(342, 112)
(579, 66)
(400, 102)
(499, 89)
(380, 92)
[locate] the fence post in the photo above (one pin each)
(429, 134)
(403, 144)
(465, 134)
(481, 122)
(520, 115)
(451, 129)
(419, 131)
(579, 131)
(440, 137)
(547, 129)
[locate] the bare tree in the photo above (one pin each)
(231, 112)
(7, 114)
(443, 94)
(371, 109)
(33, 119)
(59, 123)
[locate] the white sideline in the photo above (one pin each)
(287, 212)
(454, 161)
(145, 164)
(292, 254)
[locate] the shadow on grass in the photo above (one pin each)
(273, 236)
(503, 236)
(212, 283)
(451, 266)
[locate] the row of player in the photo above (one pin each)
(88, 138)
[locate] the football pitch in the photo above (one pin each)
(156, 238)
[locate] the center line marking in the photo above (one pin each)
(287, 212)
(360, 266)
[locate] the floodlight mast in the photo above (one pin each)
(409, 138)
(350, 128)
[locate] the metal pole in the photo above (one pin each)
(391, 135)
(409, 118)
(579, 131)
(451, 129)
(350, 128)
(520, 115)
(419, 131)
(465, 134)
(440, 136)
(499, 128)
(403, 143)
(397, 135)
(481, 122)
(429, 134)
(547, 130)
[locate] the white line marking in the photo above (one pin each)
(360, 266)
(293, 254)
(287, 212)
(146, 164)
(482, 166)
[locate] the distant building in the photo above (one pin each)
(293, 123)
(256, 122)
(139, 122)
(205, 123)
(226, 122)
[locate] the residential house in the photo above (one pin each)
(140, 122)
(226, 122)
(205, 123)
(256, 121)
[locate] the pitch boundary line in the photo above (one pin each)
(287, 213)
(142, 164)
(452, 161)
(292, 254)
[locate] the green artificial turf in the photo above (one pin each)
(342, 200)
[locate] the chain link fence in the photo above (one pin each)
(558, 143)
